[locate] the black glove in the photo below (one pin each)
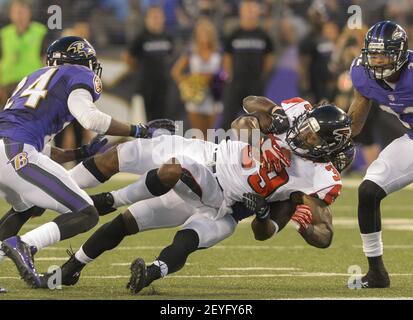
(89, 150)
(280, 123)
(257, 204)
(154, 128)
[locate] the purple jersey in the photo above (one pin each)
(397, 101)
(38, 109)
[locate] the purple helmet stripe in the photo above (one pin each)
(382, 30)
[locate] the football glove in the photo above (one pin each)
(153, 128)
(256, 204)
(280, 123)
(272, 155)
(302, 217)
(90, 149)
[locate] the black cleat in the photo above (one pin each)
(137, 280)
(375, 279)
(22, 256)
(71, 270)
(103, 203)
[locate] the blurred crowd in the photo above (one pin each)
(196, 59)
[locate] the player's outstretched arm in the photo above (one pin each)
(314, 220)
(86, 151)
(272, 117)
(358, 112)
(258, 103)
(81, 106)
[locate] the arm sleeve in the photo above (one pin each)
(81, 106)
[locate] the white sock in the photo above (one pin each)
(162, 266)
(372, 244)
(83, 177)
(132, 193)
(2, 255)
(81, 256)
(43, 236)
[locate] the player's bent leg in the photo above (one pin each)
(153, 183)
(12, 221)
(170, 260)
(369, 217)
(105, 238)
(46, 184)
(166, 211)
(385, 175)
(200, 231)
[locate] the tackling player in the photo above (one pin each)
(42, 104)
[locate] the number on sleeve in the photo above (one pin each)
(336, 176)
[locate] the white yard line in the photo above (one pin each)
(259, 268)
(281, 275)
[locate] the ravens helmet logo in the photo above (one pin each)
(82, 48)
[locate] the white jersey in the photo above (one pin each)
(237, 173)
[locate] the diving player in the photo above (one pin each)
(383, 73)
(313, 136)
(42, 104)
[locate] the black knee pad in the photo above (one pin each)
(369, 216)
(90, 165)
(369, 191)
(187, 239)
(74, 223)
(129, 222)
(90, 217)
(154, 184)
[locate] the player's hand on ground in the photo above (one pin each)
(93, 147)
(302, 217)
(273, 157)
(256, 204)
(160, 126)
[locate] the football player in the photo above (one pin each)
(197, 196)
(382, 73)
(42, 104)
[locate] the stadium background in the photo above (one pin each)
(240, 267)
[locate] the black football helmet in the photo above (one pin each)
(73, 50)
(319, 133)
(389, 39)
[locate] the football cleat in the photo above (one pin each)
(71, 270)
(137, 280)
(2, 290)
(21, 254)
(103, 203)
(375, 279)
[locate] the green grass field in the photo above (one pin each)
(284, 267)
